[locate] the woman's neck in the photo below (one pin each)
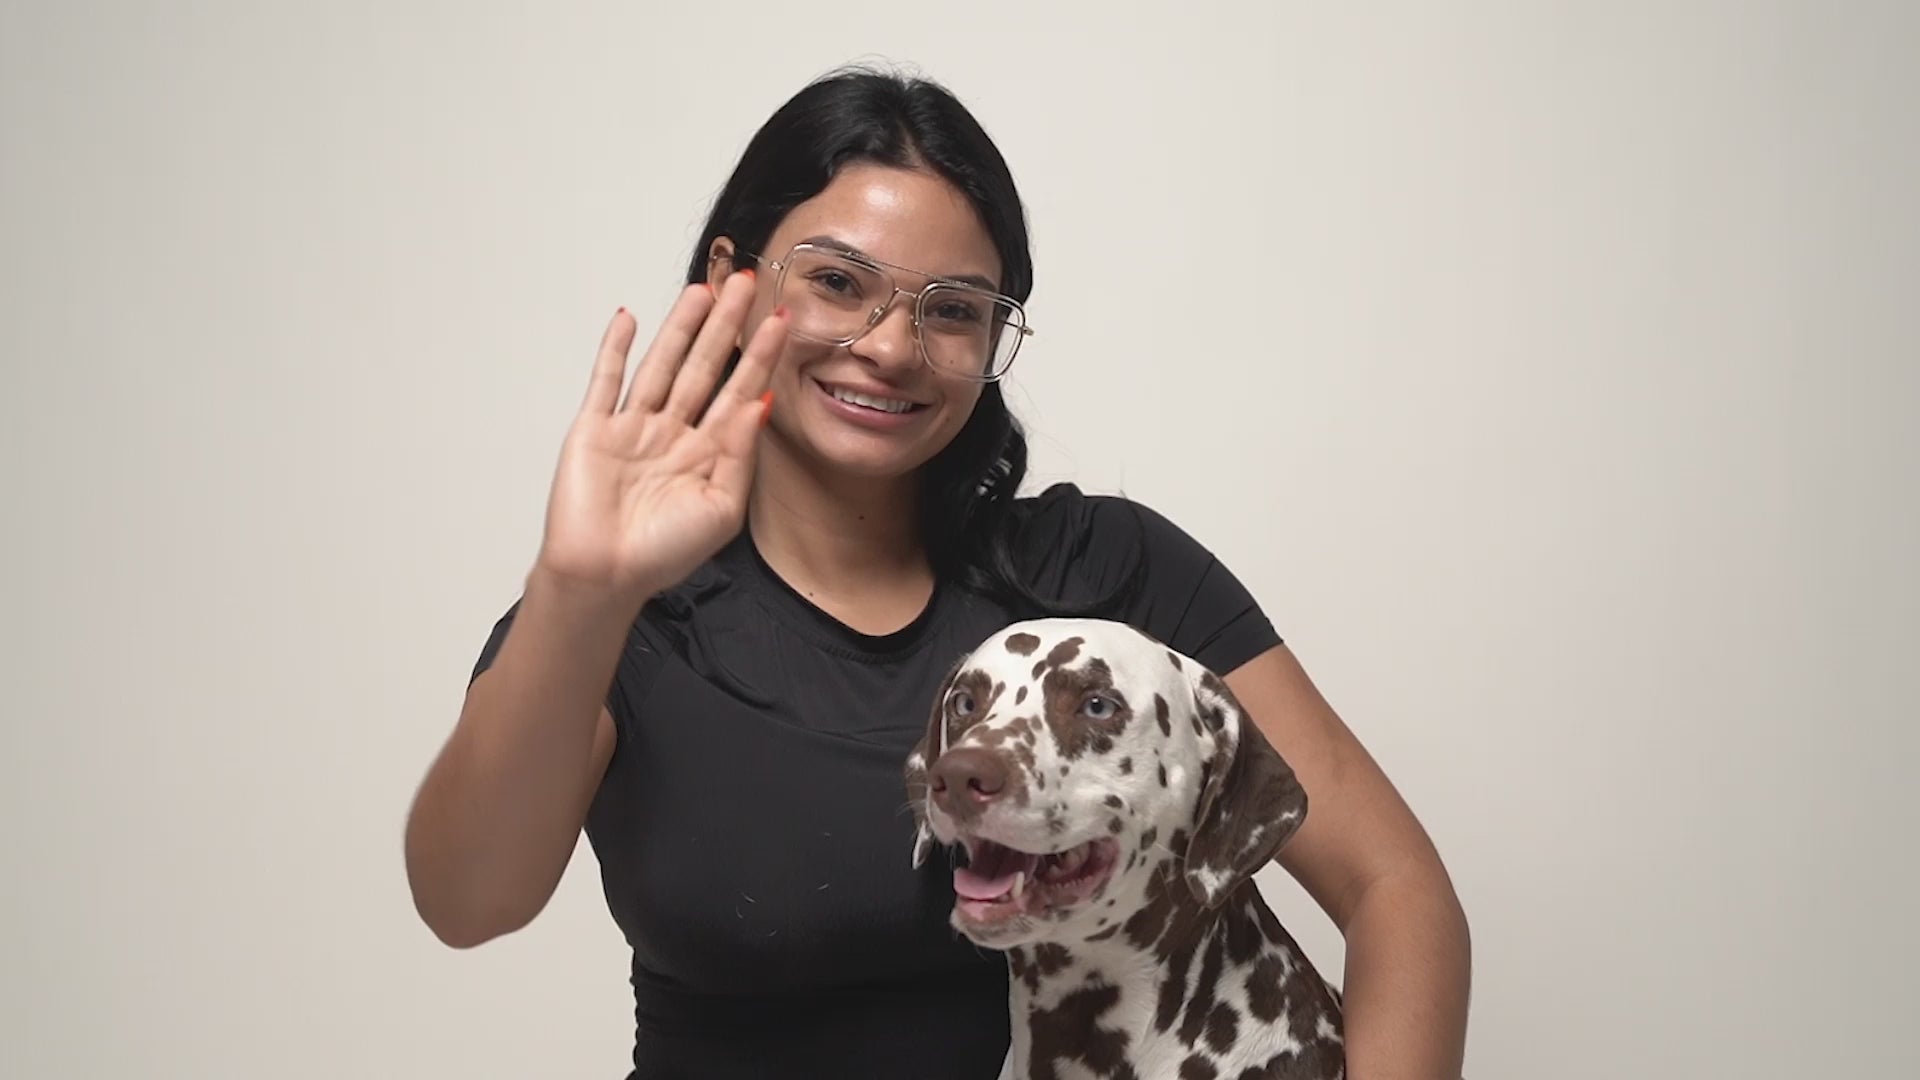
(851, 546)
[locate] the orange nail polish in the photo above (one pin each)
(748, 273)
(766, 406)
(780, 312)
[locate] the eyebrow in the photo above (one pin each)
(838, 244)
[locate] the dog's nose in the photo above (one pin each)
(966, 779)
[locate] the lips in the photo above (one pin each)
(864, 408)
(999, 883)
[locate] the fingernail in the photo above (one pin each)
(749, 274)
(780, 312)
(766, 406)
(622, 310)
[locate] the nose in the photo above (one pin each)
(889, 344)
(966, 779)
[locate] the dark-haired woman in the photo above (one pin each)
(765, 541)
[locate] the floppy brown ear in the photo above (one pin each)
(1250, 803)
(924, 752)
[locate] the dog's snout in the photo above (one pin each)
(967, 778)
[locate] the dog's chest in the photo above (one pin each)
(1125, 1016)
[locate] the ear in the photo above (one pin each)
(1250, 802)
(719, 261)
(931, 743)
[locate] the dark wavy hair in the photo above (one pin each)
(859, 114)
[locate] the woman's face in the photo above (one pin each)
(903, 217)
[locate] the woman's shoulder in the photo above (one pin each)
(1077, 545)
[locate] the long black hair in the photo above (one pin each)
(860, 114)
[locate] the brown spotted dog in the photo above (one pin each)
(1113, 801)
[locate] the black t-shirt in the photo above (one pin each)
(752, 829)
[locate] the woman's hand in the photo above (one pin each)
(650, 487)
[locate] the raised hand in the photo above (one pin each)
(650, 487)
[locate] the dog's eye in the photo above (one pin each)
(960, 703)
(1099, 708)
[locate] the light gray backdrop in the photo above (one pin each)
(1549, 370)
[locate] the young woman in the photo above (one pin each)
(759, 559)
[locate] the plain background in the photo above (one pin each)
(1549, 371)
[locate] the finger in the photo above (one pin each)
(693, 386)
(669, 347)
(755, 369)
(739, 443)
(610, 365)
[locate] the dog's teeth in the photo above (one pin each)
(1019, 885)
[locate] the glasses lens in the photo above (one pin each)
(831, 296)
(968, 331)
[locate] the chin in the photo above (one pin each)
(1007, 896)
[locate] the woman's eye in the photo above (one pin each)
(1099, 708)
(955, 313)
(961, 703)
(835, 282)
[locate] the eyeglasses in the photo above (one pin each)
(837, 296)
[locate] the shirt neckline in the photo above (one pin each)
(822, 627)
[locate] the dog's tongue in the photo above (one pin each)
(993, 876)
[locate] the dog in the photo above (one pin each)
(1113, 801)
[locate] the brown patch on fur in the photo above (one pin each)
(1175, 657)
(1161, 714)
(1071, 1031)
(1126, 766)
(1223, 1027)
(1022, 644)
(1197, 1067)
(1065, 653)
(1064, 691)
(1020, 696)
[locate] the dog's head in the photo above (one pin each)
(1072, 759)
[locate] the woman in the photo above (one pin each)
(758, 560)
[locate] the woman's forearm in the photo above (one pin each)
(1408, 972)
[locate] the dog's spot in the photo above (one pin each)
(1065, 691)
(1022, 644)
(1105, 934)
(1065, 653)
(1197, 1067)
(1163, 774)
(1114, 801)
(1147, 838)
(1114, 826)
(1020, 696)
(1162, 714)
(1223, 1027)
(1175, 657)
(1050, 959)
(1200, 1006)
(1071, 1032)
(1126, 766)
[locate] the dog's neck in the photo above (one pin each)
(1141, 993)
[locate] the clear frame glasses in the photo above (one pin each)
(837, 296)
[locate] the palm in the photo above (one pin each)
(649, 488)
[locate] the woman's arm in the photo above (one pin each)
(1366, 860)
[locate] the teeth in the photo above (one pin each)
(1019, 885)
(1071, 860)
(888, 405)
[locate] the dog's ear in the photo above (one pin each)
(932, 742)
(1250, 801)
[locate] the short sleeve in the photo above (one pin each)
(639, 661)
(1083, 547)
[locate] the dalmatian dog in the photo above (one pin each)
(1113, 801)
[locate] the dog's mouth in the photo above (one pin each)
(1000, 883)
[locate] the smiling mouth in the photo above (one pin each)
(871, 402)
(999, 884)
